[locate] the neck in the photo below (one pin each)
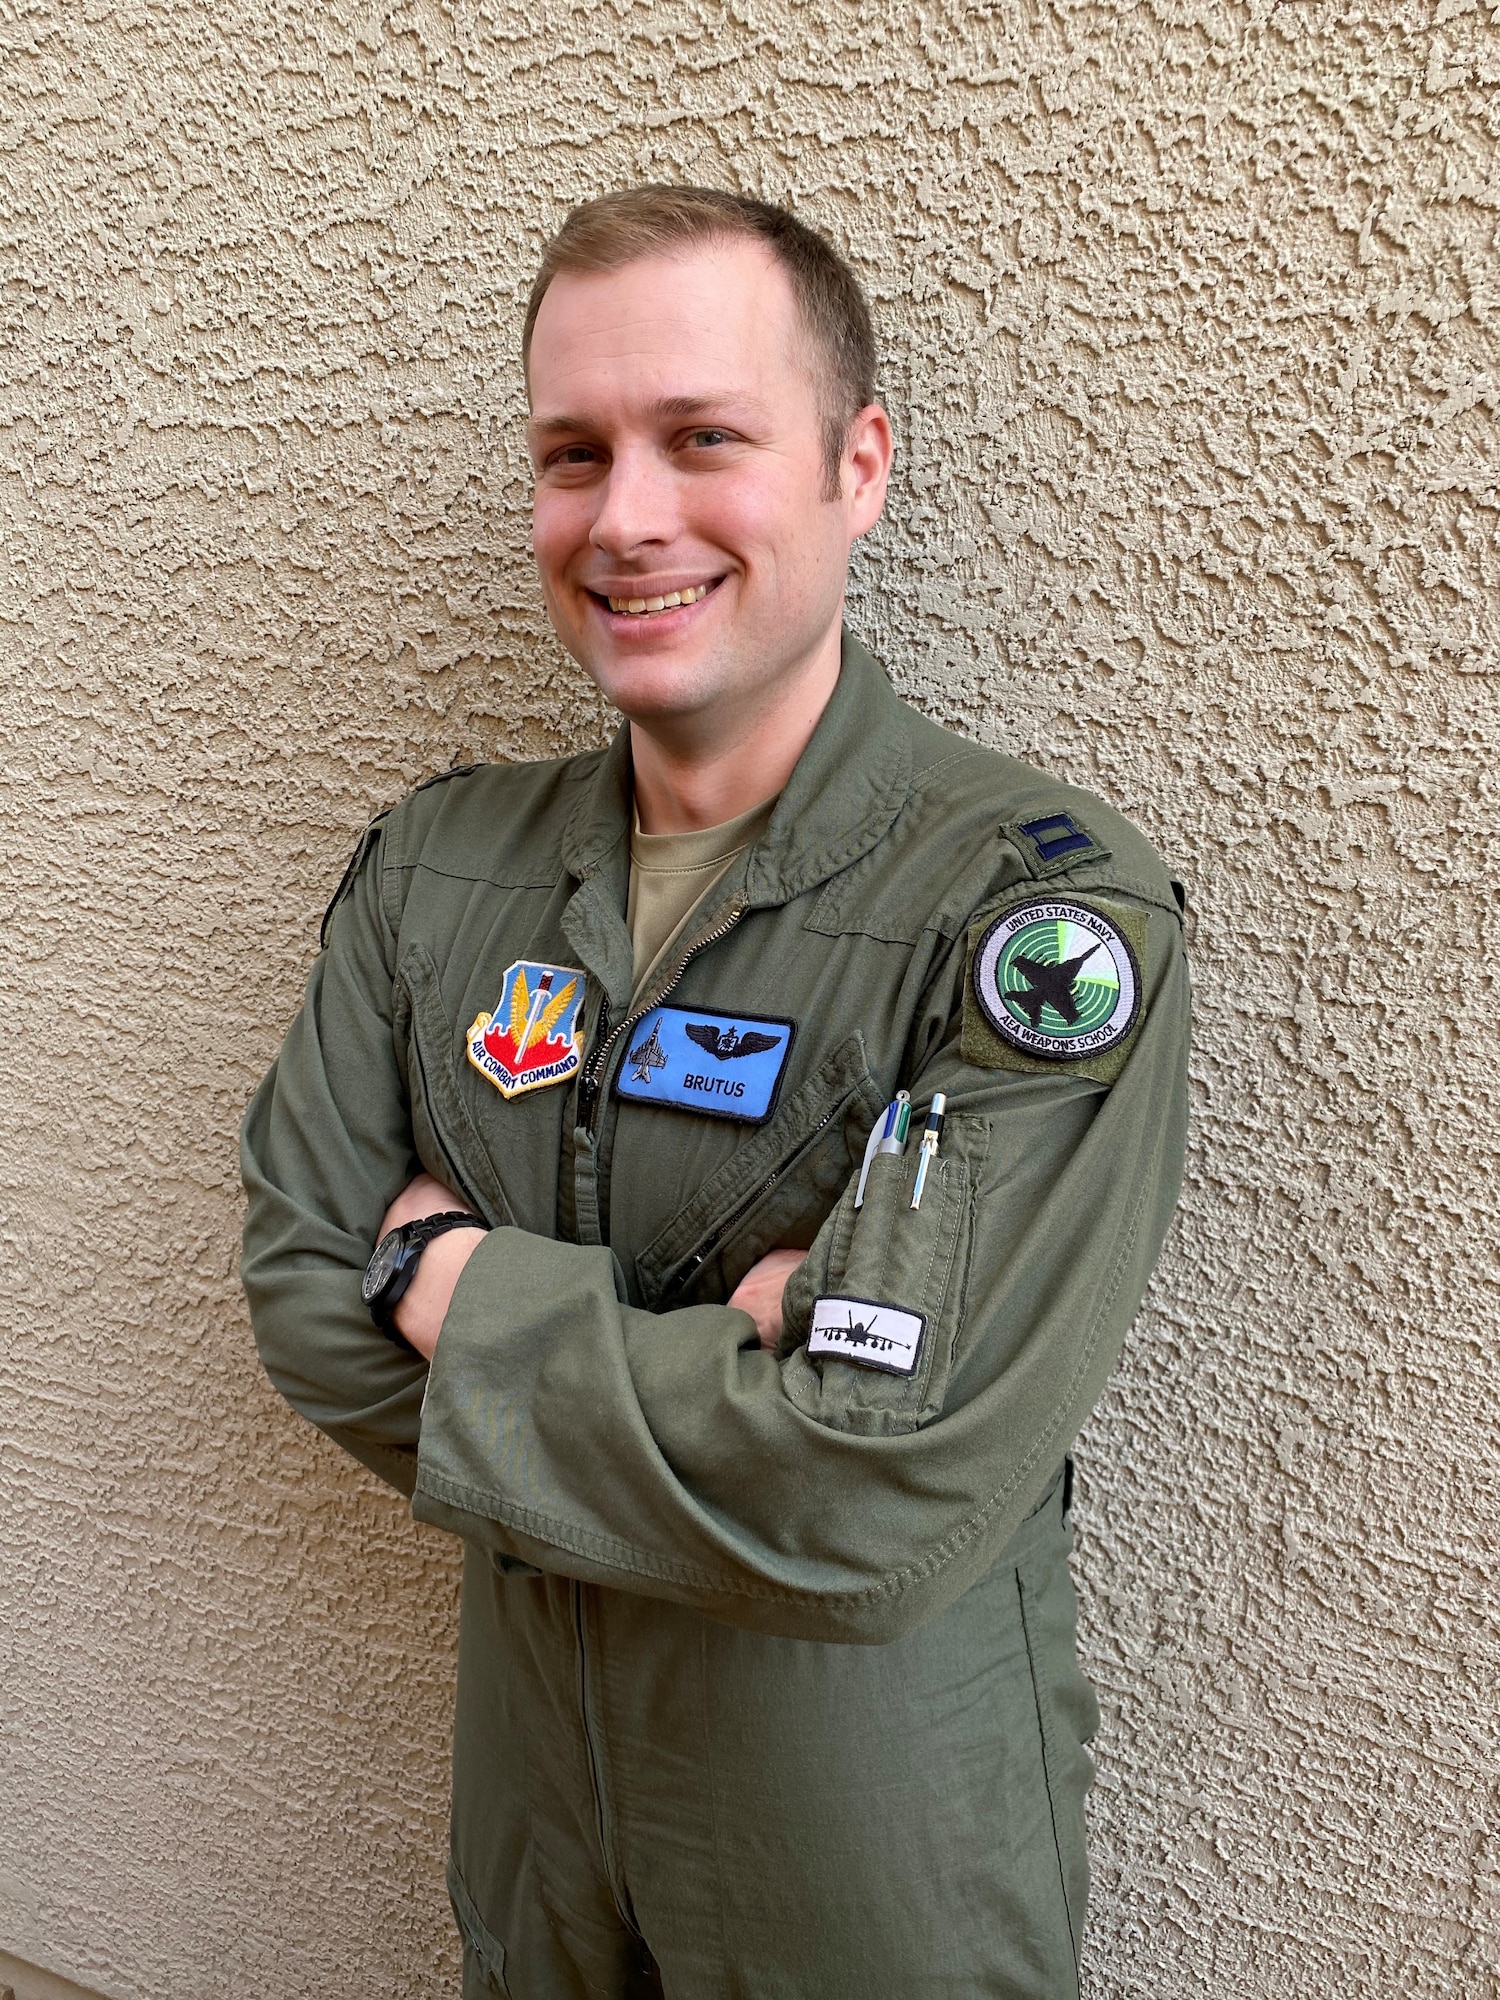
(687, 778)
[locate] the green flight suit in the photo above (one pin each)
(767, 1681)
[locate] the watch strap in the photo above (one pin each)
(416, 1236)
(426, 1227)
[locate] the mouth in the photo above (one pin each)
(656, 605)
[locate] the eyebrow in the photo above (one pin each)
(670, 407)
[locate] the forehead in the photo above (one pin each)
(716, 318)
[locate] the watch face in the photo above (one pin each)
(383, 1265)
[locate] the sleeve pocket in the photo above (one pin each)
(886, 1266)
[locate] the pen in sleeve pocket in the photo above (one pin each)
(897, 1127)
(932, 1131)
(887, 1135)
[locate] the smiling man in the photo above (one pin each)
(583, 1206)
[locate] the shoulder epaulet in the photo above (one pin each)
(442, 777)
(1050, 842)
(370, 836)
(357, 861)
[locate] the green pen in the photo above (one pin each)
(932, 1131)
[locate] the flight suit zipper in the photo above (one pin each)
(589, 1087)
(737, 1214)
(590, 1095)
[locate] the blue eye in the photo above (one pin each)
(709, 437)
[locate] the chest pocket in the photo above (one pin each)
(911, 1265)
(775, 1190)
(446, 1139)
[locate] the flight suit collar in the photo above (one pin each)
(841, 799)
(845, 792)
(596, 851)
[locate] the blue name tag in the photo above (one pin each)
(723, 1065)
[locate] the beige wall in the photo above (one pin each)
(1190, 321)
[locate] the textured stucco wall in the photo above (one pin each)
(1190, 317)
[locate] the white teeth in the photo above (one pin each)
(639, 606)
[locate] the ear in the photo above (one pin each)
(868, 451)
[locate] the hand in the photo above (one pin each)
(760, 1291)
(419, 1315)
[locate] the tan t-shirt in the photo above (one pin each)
(671, 873)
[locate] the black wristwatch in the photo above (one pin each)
(393, 1263)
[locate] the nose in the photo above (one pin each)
(638, 505)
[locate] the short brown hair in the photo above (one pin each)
(616, 229)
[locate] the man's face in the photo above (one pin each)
(676, 436)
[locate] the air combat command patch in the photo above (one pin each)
(1055, 981)
(532, 1037)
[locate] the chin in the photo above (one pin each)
(643, 684)
(645, 692)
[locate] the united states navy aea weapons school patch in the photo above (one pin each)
(1055, 982)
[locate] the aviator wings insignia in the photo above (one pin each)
(724, 1044)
